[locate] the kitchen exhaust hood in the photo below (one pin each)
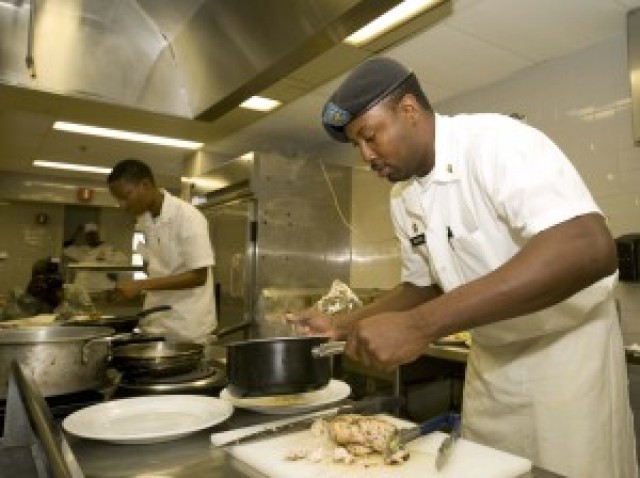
(197, 59)
(633, 52)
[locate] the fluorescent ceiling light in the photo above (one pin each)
(71, 167)
(388, 21)
(259, 103)
(125, 135)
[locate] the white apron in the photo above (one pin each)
(550, 386)
(560, 400)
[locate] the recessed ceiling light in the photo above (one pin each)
(258, 103)
(125, 135)
(388, 21)
(71, 167)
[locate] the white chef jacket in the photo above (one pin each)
(176, 241)
(551, 385)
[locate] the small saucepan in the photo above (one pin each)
(279, 366)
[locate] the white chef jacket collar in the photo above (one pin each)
(166, 210)
(445, 168)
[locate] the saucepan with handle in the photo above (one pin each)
(280, 366)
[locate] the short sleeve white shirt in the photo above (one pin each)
(177, 241)
(496, 183)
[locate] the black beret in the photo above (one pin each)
(366, 86)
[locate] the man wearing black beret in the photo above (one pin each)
(498, 236)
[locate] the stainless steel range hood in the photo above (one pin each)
(189, 58)
(633, 52)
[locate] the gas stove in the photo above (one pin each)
(206, 379)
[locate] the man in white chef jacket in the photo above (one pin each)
(93, 250)
(499, 236)
(177, 251)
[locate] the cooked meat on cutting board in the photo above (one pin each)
(352, 437)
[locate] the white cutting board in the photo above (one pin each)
(467, 460)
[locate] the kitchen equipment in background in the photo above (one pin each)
(120, 323)
(205, 379)
(628, 249)
(156, 359)
(278, 366)
(274, 226)
(61, 360)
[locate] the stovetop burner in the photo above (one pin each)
(206, 378)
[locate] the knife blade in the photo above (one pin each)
(242, 435)
(446, 447)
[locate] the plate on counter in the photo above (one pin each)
(144, 420)
(335, 391)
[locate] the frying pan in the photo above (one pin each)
(156, 359)
(120, 323)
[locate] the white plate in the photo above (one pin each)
(335, 391)
(147, 419)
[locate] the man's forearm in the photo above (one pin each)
(404, 296)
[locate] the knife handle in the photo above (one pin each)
(436, 423)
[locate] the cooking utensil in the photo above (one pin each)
(120, 323)
(405, 435)
(61, 360)
(328, 349)
(157, 359)
(446, 447)
(367, 406)
(276, 366)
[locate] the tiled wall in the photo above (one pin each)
(582, 101)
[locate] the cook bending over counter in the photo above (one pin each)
(177, 251)
(500, 236)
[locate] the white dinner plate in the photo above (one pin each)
(151, 419)
(335, 391)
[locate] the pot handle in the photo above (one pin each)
(328, 349)
(125, 338)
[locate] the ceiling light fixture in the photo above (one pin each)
(71, 167)
(399, 14)
(125, 135)
(258, 103)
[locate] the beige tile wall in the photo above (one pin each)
(582, 101)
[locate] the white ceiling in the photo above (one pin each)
(482, 41)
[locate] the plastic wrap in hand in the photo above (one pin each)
(340, 298)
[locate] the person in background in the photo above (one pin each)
(177, 251)
(42, 295)
(499, 236)
(93, 250)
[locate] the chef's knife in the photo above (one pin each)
(365, 407)
(403, 436)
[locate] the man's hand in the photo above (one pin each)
(386, 340)
(311, 322)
